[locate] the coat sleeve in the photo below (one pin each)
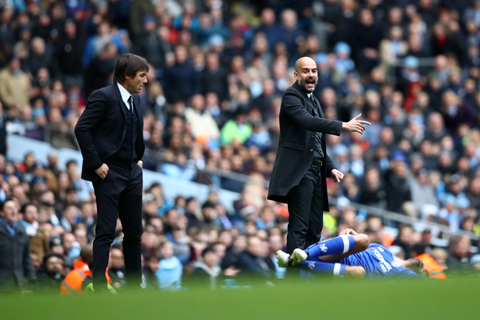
(330, 166)
(293, 107)
(92, 115)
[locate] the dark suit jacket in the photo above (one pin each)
(298, 127)
(16, 267)
(101, 129)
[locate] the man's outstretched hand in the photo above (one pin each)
(337, 176)
(355, 125)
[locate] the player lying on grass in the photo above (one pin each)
(351, 254)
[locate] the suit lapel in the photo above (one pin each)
(119, 99)
(304, 94)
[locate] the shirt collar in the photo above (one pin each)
(309, 95)
(124, 93)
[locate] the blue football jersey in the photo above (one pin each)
(378, 262)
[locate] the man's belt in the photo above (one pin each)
(317, 163)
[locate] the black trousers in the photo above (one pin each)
(305, 207)
(119, 195)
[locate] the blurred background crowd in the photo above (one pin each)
(211, 105)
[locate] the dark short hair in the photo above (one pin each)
(25, 206)
(128, 65)
(50, 255)
(208, 249)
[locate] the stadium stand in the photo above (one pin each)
(218, 71)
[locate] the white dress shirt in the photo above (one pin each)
(125, 95)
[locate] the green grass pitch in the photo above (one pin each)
(326, 299)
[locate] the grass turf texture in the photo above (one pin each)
(326, 299)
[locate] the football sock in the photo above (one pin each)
(336, 269)
(337, 245)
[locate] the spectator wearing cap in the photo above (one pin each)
(409, 74)
(16, 267)
(463, 204)
(14, 86)
(325, 74)
(344, 64)
(49, 274)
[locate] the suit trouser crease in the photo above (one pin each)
(305, 206)
(119, 195)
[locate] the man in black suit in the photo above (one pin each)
(110, 136)
(302, 164)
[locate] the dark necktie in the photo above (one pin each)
(130, 103)
(315, 107)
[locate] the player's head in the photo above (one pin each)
(306, 74)
(416, 266)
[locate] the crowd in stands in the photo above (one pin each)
(218, 72)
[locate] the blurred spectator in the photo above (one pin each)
(116, 268)
(169, 273)
(49, 274)
(207, 268)
(14, 86)
(201, 120)
(36, 232)
(254, 261)
(398, 190)
(181, 79)
(459, 257)
(16, 267)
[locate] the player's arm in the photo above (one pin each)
(355, 272)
